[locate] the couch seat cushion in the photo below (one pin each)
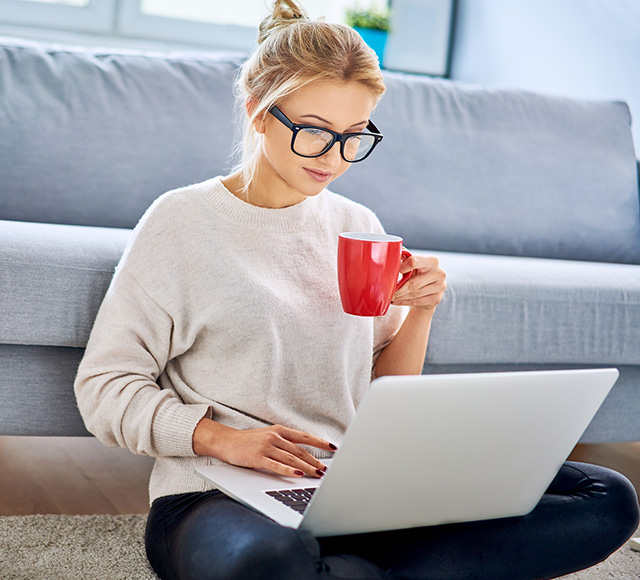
(497, 309)
(503, 309)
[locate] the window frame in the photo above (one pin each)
(96, 17)
(132, 22)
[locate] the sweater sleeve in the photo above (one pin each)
(116, 386)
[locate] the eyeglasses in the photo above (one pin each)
(311, 141)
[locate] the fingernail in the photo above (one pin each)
(299, 473)
(333, 446)
(319, 472)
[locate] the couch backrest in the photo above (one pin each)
(473, 169)
(92, 137)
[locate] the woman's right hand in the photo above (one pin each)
(275, 448)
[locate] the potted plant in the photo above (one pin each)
(372, 24)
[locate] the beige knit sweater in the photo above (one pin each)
(223, 309)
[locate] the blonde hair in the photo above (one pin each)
(294, 51)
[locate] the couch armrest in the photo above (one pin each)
(52, 280)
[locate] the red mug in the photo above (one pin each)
(368, 269)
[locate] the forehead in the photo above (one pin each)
(342, 104)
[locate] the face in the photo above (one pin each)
(286, 178)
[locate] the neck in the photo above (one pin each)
(264, 191)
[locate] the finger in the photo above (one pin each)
(420, 280)
(408, 264)
(300, 437)
(421, 263)
(305, 457)
(297, 464)
(419, 288)
(427, 296)
(280, 468)
(427, 301)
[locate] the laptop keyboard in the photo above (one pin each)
(296, 499)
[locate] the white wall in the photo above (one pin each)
(579, 48)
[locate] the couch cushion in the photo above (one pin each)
(472, 169)
(36, 389)
(502, 309)
(53, 279)
(497, 309)
(92, 137)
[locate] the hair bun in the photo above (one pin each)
(284, 13)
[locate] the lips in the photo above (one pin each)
(318, 175)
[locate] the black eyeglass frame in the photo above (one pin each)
(340, 137)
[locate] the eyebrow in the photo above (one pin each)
(329, 122)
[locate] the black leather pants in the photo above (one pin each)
(586, 514)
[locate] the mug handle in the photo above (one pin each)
(405, 277)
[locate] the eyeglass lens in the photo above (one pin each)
(312, 142)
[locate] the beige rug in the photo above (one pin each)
(53, 547)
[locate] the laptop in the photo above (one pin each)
(434, 449)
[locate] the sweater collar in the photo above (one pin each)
(292, 218)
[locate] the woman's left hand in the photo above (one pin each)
(427, 285)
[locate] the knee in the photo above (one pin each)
(610, 513)
(285, 555)
(622, 512)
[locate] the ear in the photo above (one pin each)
(258, 122)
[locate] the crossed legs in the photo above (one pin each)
(585, 515)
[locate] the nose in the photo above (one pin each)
(332, 157)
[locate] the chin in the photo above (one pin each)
(306, 186)
(310, 189)
(314, 192)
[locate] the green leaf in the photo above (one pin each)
(372, 18)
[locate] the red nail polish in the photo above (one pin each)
(319, 472)
(333, 446)
(299, 473)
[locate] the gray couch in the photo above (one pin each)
(530, 201)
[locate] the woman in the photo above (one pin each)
(222, 339)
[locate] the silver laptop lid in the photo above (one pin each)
(435, 449)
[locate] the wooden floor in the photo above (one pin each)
(70, 475)
(64, 475)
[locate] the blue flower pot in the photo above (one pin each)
(375, 39)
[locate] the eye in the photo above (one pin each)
(317, 133)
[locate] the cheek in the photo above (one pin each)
(344, 165)
(278, 152)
